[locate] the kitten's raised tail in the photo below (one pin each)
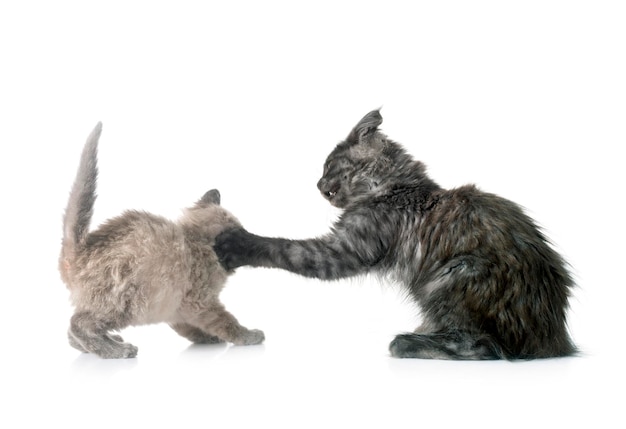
(82, 197)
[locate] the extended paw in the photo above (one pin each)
(251, 337)
(232, 247)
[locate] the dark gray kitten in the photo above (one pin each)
(488, 283)
(139, 269)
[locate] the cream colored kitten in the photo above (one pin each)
(139, 268)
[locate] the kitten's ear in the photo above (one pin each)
(366, 126)
(211, 197)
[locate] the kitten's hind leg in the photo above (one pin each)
(453, 345)
(89, 333)
(74, 342)
(195, 335)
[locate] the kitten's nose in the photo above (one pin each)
(320, 184)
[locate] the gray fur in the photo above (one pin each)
(487, 281)
(139, 268)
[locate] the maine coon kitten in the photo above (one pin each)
(139, 268)
(488, 283)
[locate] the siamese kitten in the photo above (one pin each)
(488, 283)
(139, 268)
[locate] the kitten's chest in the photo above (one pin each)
(406, 257)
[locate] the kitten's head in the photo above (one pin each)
(356, 168)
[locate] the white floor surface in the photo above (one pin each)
(525, 99)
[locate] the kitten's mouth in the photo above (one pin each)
(331, 193)
(328, 190)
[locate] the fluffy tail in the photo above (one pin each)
(82, 197)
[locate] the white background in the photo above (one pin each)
(525, 99)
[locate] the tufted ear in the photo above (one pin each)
(366, 126)
(211, 197)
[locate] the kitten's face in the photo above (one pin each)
(352, 168)
(332, 185)
(336, 182)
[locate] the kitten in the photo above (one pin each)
(139, 268)
(487, 282)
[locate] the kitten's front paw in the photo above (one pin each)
(402, 347)
(129, 351)
(252, 337)
(231, 248)
(117, 351)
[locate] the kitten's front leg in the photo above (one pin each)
(218, 322)
(345, 253)
(194, 334)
